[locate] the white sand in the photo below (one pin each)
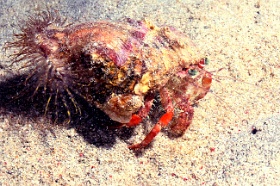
(218, 149)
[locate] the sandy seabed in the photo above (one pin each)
(221, 146)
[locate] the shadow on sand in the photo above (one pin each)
(92, 124)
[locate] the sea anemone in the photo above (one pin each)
(40, 51)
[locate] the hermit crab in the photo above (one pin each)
(119, 67)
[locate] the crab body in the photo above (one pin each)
(117, 66)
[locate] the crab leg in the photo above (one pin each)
(163, 121)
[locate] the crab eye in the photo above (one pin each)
(192, 72)
(206, 61)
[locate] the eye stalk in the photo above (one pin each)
(206, 61)
(203, 62)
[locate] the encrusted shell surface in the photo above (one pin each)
(126, 61)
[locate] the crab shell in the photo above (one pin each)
(117, 66)
(127, 61)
